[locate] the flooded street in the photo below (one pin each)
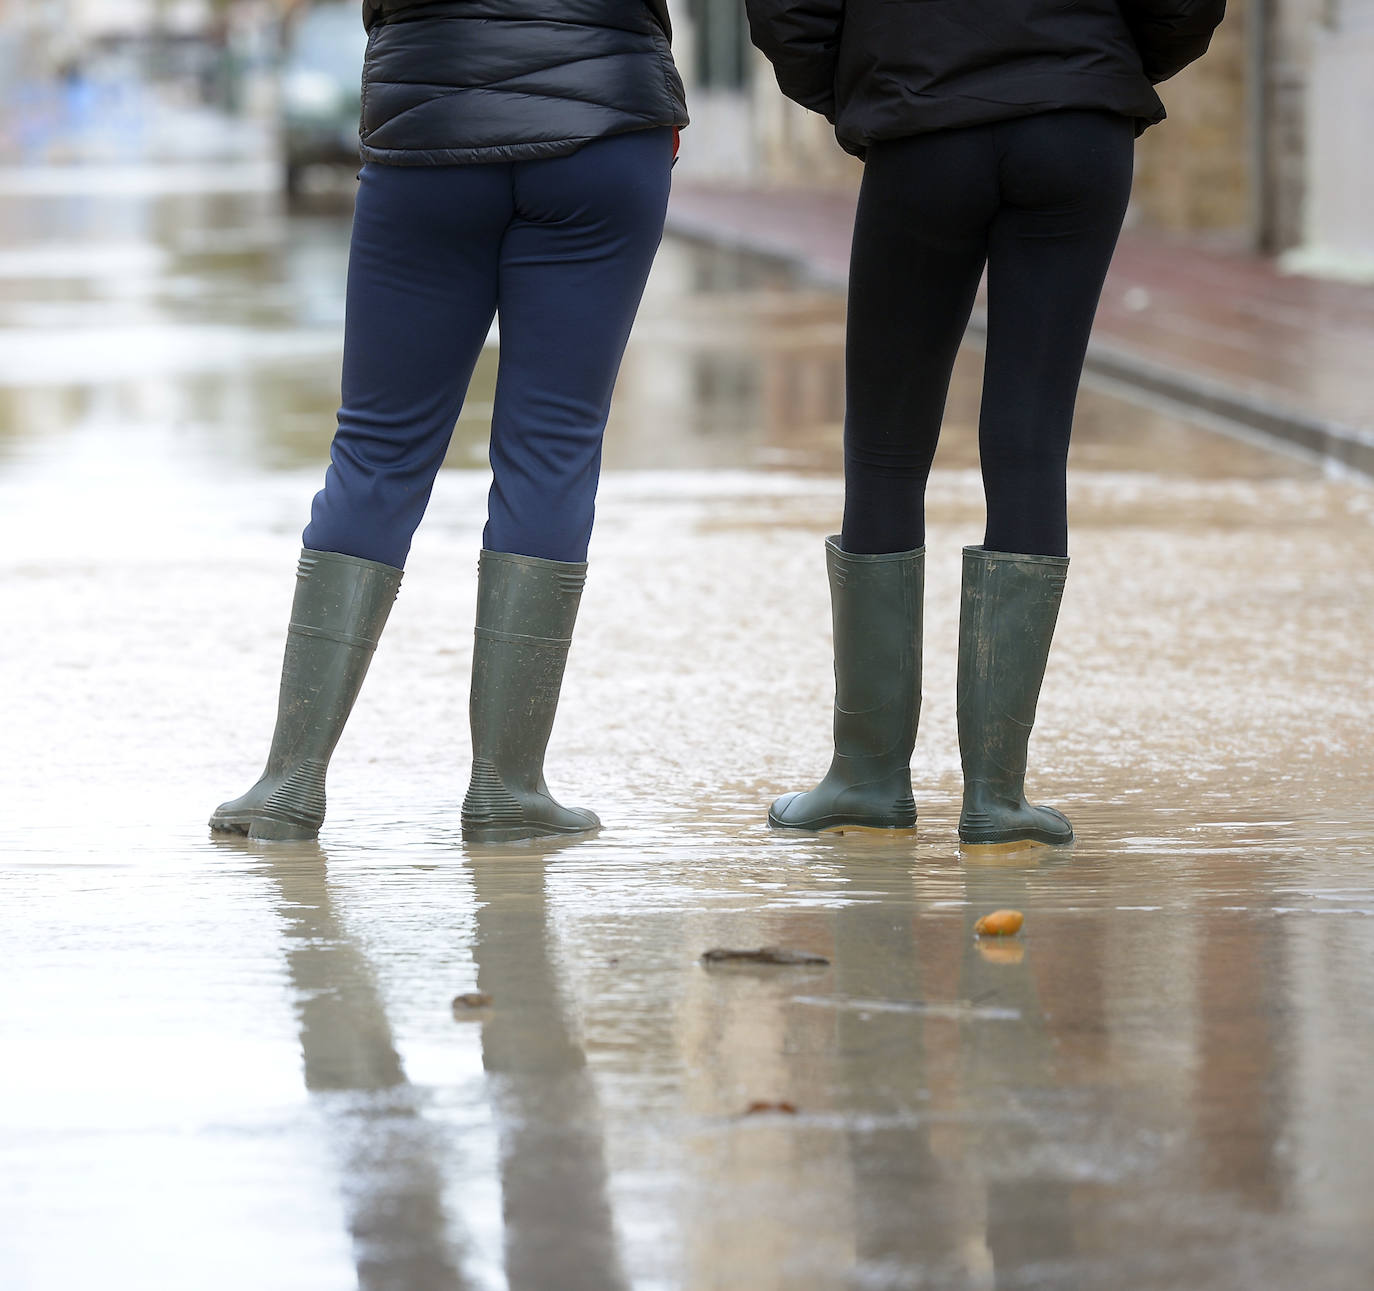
(236, 1066)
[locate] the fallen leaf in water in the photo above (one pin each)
(759, 1106)
(764, 955)
(467, 1003)
(1000, 923)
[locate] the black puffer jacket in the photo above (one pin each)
(454, 81)
(884, 69)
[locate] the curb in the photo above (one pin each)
(1335, 445)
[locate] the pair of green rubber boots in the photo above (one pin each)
(1006, 623)
(526, 609)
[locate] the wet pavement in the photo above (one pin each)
(232, 1066)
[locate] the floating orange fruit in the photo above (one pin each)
(1000, 923)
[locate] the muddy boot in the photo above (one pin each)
(341, 606)
(875, 605)
(1006, 623)
(526, 609)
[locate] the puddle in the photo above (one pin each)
(1163, 1087)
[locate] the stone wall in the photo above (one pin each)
(792, 145)
(1194, 172)
(1292, 30)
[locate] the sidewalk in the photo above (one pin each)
(1223, 333)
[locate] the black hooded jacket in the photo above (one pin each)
(448, 82)
(884, 69)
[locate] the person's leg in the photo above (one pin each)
(573, 269)
(1065, 181)
(920, 239)
(421, 295)
(422, 282)
(919, 242)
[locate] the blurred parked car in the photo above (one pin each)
(321, 88)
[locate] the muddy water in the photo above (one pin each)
(231, 1067)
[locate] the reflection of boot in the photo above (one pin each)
(875, 606)
(391, 1157)
(341, 606)
(526, 609)
(560, 1227)
(1006, 624)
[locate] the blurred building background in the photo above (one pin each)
(1267, 147)
(1267, 144)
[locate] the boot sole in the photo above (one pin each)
(1008, 840)
(844, 827)
(522, 833)
(280, 830)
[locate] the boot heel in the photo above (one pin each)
(489, 808)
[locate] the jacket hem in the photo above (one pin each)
(498, 153)
(956, 114)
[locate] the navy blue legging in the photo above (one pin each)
(1039, 202)
(560, 249)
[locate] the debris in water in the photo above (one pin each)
(760, 1106)
(473, 1000)
(1000, 923)
(764, 955)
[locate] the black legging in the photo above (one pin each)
(1040, 201)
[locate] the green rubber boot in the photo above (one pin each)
(340, 609)
(875, 607)
(526, 609)
(1006, 624)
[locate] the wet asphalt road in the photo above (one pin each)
(230, 1066)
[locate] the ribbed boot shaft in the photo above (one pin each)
(337, 617)
(1007, 616)
(526, 612)
(875, 612)
(1008, 612)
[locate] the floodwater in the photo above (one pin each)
(229, 1066)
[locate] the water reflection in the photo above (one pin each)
(391, 1160)
(559, 1227)
(1162, 1083)
(395, 1163)
(915, 1206)
(937, 1062)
